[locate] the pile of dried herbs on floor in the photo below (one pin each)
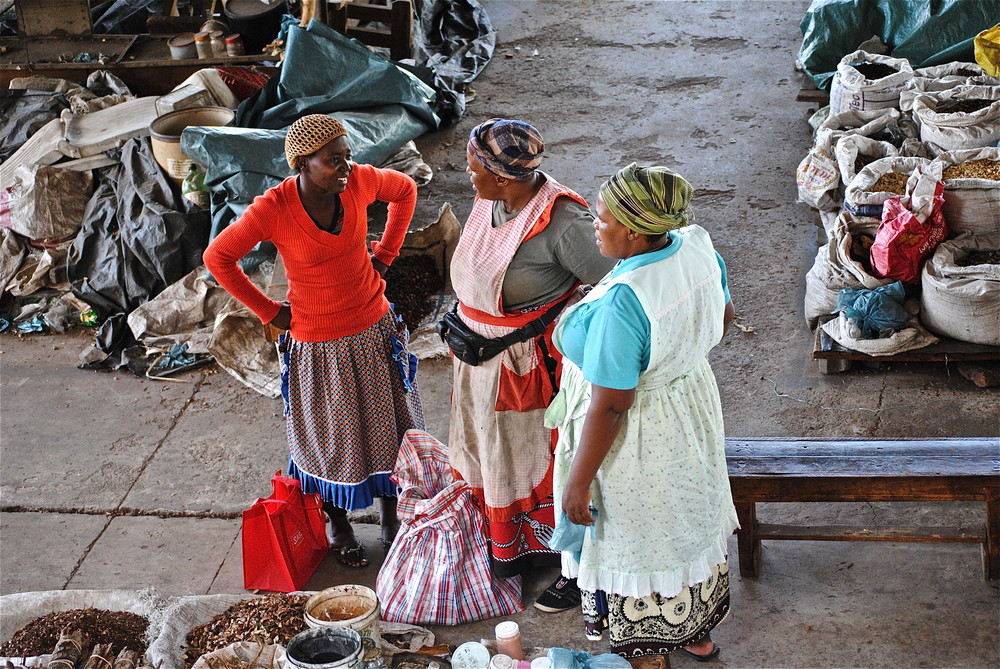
(412, 284)
(271, 619)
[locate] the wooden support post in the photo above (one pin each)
(747, 541)
(401, 30)
(991, 548)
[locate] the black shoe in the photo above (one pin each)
(562, 595)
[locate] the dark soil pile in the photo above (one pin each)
(412, 284)
(990, 257)
(272, 619)
(875, 70)
(121, 629)
(963, 106)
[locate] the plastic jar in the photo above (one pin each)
(203, 43)
(218, 44)
(509, 640)
(234, 45)
(501, 661)
(541, 663)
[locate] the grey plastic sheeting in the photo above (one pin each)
(242, 163)
(925, 32)
(325, 72)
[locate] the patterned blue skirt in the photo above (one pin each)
(347, 406)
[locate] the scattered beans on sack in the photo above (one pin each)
(982, 257)
(891, 182)
(121, 629)
(983, 168)
(271, 619)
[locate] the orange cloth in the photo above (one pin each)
(332, 287)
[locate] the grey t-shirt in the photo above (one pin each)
(547, 265)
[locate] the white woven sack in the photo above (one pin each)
(907, 338)
(852, 90)
(971, 205)
(953, 70)
(852, 122)
(849, 147)
(817, 181)
(958, 130)
(861, 200)
(19, 609)
(834, 269)
(962, 302)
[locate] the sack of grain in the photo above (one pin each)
(959, 299)
(886, 125)
(867, 81)
(843, 263)
(964, 117)
(877, 182)
(854, 152)
(972, 190)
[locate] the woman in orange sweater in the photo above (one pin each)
(348, 399)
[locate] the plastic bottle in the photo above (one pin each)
(501, 661)
(509, 640)
(193, 188)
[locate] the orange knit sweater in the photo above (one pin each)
(332, 287)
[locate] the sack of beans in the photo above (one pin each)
(855, 152)
(885, 125)
(972, 190)
(960, 289)
(845, 262)
(867, 81)
(877, 182)
(964, 117)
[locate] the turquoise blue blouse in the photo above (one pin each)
(609, 338)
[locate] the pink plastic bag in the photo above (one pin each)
(912, 225)
(438, 569)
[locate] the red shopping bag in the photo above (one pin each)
(284, 538)
(438, 568)
(912, 226)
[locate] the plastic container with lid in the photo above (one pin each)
(509, 640)
(501, 661)
(182, 46)
(203, 44)
(541, 663)
(234, 45)
(470, 655)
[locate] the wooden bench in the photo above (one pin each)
(925, 470)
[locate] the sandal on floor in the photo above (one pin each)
(386, 545)
(352, 556)
(702, 658)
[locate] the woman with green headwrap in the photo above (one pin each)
(641, 444)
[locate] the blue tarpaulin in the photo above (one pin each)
(925, 32)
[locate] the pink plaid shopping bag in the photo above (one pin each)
(438, 569)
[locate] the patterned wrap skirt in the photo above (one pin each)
(348, 403)
(657, 625)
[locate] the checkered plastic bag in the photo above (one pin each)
(438, 569)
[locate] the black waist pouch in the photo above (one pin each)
(472, 348)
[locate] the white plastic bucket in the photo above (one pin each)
(353, 606)
(325, 648)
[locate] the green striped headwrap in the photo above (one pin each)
(648, 200)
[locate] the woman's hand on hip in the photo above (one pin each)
(379, 266)
(283, 319)
(576, 504)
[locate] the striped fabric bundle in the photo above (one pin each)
(438, 569)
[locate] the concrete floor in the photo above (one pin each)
(111, 481)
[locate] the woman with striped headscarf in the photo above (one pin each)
(641, 452)
(526, 246)
(348, 401)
